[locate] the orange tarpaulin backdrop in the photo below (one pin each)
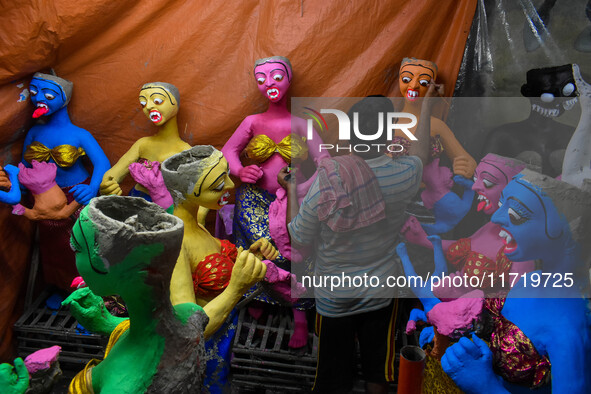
(207, 49)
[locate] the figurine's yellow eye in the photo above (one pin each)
(33, 92)
(143, 103)
(424, 82)
(406, 79)
(278, 77)
(49, 96)
(158, 101)
(261, 80)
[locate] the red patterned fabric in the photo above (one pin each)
(461, 255)
(212, 274)
(514, 356)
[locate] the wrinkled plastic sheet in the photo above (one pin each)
(508, 38)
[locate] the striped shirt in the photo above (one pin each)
(365, 252)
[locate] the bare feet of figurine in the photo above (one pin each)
(299, 338)
(255, 310)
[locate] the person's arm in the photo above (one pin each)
(90, 311)
(234, 147)
(114, 176)
(302, 220)
(247, 271)
(314, 152)
(463, 163)
(420, 147)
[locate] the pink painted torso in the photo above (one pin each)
(276, 125)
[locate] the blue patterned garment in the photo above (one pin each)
(251, 222)
(218, 350)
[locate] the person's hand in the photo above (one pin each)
(464, 166)
(83, 193)
(433, 91)
(414, 232)
(263, 249)
(250, 174)
(247, 271)
(14, 380)
(89, 310)
(110, 186)
(469, 364)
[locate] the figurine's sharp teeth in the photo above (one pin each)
(502, 234)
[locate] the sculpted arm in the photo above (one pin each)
(100, 163)
(247, 271)
(315, 153)
(234, 147)
(181, 283)
(112, 178)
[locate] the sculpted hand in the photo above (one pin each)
(463, 181)
(89, 309)
(414, 232)
(4, 180)
(250, 174)
(469, 365)
(263, 249)
(247, 271)
(150, 177)
(83, 193)
(426, 336)
(464, 166)
(10, 191)
(110, 186)
(14, 380)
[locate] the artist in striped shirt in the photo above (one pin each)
(351, 216)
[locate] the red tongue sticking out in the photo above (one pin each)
(40, 112)
(481, 205)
